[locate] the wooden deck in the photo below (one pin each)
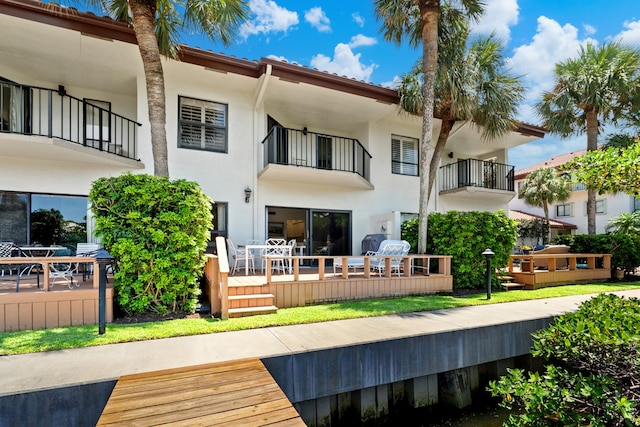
(236, 393)
(58, 306)
(560, 269)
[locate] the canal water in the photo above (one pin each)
(485, 412)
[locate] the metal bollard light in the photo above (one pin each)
(488, 253)
(103, 258)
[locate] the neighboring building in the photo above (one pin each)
(574, 210)
(283, 150)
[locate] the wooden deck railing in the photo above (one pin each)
(46, 262)
(528, 262)
(556, 269)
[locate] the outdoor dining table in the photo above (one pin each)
(36, 251)
(248, 249)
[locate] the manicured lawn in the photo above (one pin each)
(85, 336)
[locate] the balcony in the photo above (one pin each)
(66, 121)
(309, 157)
(478, 179)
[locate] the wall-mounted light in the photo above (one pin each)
(61, 90)
(247, 194)
(450, 154)
(304, 130)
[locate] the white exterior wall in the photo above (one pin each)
(615, 204)
(111, 71)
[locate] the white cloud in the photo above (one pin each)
(630, 36)
(318, 19)
(589, 29)
(393, 84)
(540, 150)
(358, 19)
(536, 61)
(361, 40)
(268, 18)
(498, 16)
(344, 62)
(277, 58)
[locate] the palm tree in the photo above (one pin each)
(625, 223)
(471, 84)
(599, 87)
(157, 25)
(543, 187)
(418, 20)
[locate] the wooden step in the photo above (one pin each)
(510, 285)
(252, 311)
(254, 300)
(248, 289)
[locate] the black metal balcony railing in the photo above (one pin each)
(293, 147)
(31, 110)
(477, 173)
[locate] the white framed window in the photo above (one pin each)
(563, 210)
(520, 185)
(404, 155)
(202, 125)
(601, 207)
(636, 204)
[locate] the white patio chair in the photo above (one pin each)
(275, 254)
(394, 250)
(64, 271)
(238, 257)
(85, 250)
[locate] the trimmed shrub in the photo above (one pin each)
(157, 230)
(464, 236)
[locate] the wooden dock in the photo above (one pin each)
(236, 393)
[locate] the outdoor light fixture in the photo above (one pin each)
(450, 154)
(304, 130)
(488, 254)
(247, 194)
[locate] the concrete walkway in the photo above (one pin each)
(42, 371)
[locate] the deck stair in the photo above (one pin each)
(249, 300)
(507, 283)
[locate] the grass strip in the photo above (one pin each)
(85, 336)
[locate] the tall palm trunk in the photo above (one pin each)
(545, 207)
(443, 136)
(429, 11)
(143, 13)
(592, 144)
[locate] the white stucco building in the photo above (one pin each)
(574, 210)
(281, 149)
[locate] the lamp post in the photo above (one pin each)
(103, 258)
(488, 254)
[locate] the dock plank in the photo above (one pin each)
(226, 393)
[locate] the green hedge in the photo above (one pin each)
(624, 248)
(157, 230)
(464, 236)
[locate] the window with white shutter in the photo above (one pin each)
(404, 155)
(203, 125)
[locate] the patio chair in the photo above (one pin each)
(275, 254)
(86, 250)
(395, 250)
(6, 251)
(238, 256)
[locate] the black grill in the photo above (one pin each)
(371, 242)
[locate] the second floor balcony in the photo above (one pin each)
(36, 112)
(478, 178)
(302, 156)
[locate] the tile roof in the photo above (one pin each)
(515, 214)
(553, 162)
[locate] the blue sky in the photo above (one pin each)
(343, 37)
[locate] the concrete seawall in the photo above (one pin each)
(310, 362)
